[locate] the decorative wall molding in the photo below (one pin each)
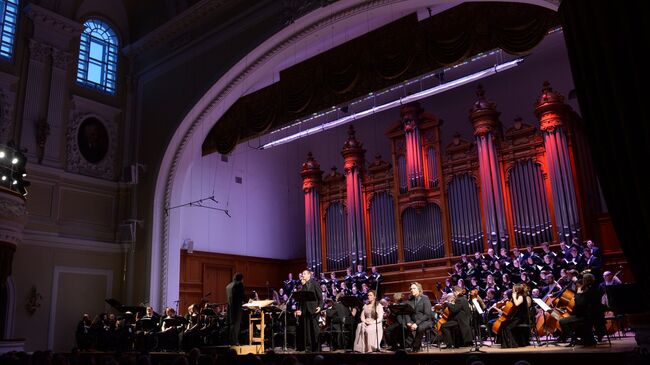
(40, 239)
(7, 102)
(61, 59)
(12, 208)
(52, 27)
(182, 23)
(39, 51)
(80, 110)
(58, 270)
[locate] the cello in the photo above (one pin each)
(562, 308)
(506, 311)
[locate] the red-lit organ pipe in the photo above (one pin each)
(487, 127)
(551, 110)
(353, 155)
(311, 175)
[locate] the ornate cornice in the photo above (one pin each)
(53, 20)
(39, 51)
(180, 24)
(61, 59)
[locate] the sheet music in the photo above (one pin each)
(257, 304)
(541, 304)
(477, 306)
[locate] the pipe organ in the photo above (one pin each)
(525, 185)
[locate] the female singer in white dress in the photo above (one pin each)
(370, 330)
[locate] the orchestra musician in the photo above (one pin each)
(587, 312)
(308, 329)
(340, 315)
(458, 321)
(507, 335)
(172, 326)
(420, 321)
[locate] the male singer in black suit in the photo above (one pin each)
(308, 329)
(420, 320)
(459, 318)
(235, 293)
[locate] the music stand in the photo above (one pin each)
(475, 310)
(303, 297)
(351, 301)
(545, 310)
(403, 309)
(253, 306)
(271, 310)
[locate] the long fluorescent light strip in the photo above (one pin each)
(401, 101)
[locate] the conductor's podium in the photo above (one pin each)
(255, 321)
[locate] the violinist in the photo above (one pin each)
(587, 312)
(457, 332)
(519, 315)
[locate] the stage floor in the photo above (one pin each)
(622, 351)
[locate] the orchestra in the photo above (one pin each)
(488, 291)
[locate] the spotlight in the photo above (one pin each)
(15, 182)
(2, 154)
(4, 178)
(24, 175)
(14, 161)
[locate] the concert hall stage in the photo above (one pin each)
(622, 351)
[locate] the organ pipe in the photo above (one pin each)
(353, 155)
(552, 112)
(487, 128)
(312, 175)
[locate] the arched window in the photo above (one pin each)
(8, 18)
(98, 56)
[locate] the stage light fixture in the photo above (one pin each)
(4, 178)
(14, 161)
(2, 154)
(401, 101)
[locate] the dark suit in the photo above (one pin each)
(421, 317)
(339, 316)
(308, 329)
(235, 293)
(459, 318)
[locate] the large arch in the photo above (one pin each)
(259, 68)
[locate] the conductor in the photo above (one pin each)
(235, 293)
(307, 315)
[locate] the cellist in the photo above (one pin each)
(587, 312)
(521, 301)
(459, 318)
